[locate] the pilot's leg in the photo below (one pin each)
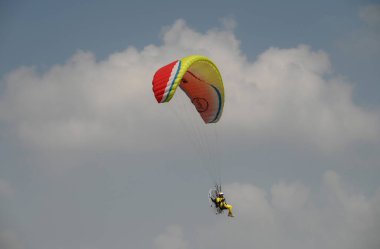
(229, 207)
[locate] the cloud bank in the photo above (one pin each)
(285, 94)
(290, 215)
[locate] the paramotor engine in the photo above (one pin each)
(212, 194)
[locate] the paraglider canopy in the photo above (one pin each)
(199, 78)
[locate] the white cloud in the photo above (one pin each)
(290, 216)
(172, 238)
(286, 94)
(293, 96)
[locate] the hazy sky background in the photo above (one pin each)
(89, 160)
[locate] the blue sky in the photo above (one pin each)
(90, 161)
